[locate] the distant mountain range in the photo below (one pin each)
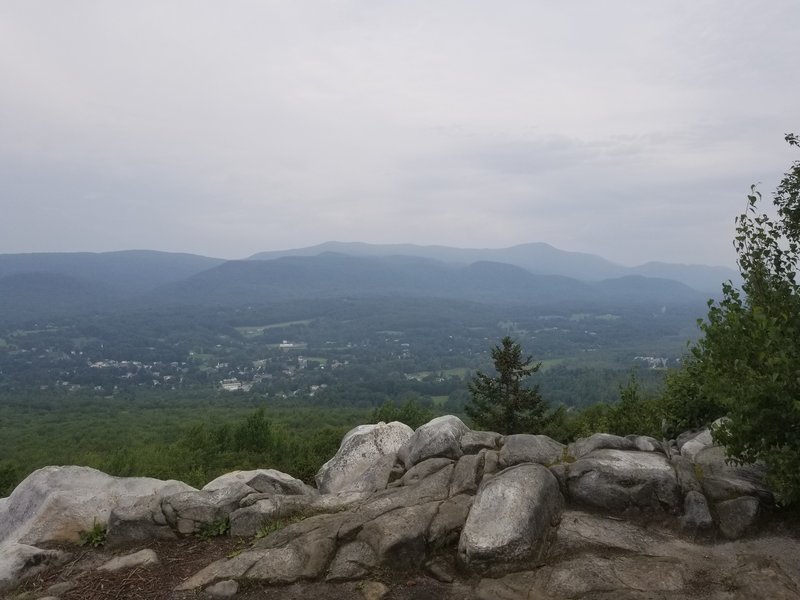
(538, 258)
(45, 284)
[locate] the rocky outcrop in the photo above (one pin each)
(617, 480)
(486, 515)
(440, 437)
(364, 459)
(55, 504)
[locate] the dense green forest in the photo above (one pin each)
(191, 393)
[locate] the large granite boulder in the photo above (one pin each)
(55, 504)
(512, 520)
(440, 437)
(364, 460)
(524, 448)
(617, 480)
(599, 441)
(724, 480)
(264, 481)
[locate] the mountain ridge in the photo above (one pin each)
(536, 257)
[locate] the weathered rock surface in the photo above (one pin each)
(55, 504)
(450, 513)
(512, 519)
(265, 481)
(737, 516)
(440, 437)
(599, 441)
(188, 512)
(362, 448)
(137, 559)
(524, 448)
(18, 561)
(616, 480)
(722, 480)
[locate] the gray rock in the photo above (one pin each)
(696, 517)
(473, 442)
(143, 520)
(223, 589)
(645, 443)
(434, 488)
(722, 480)
(424, 469)
(491, 462)
(399, 537)
(298, 551)
(512, 519)
(467, 474)
(449, 520)
(19, 561)
(58, 589)
(694, 445)
(249, 520)
(361, 448)
(599, 441)
(189, 511)
(137, 559)
(581, 532)
(265, 481)
(441, 569)
(353, 561)
(737, 516)
(589, 575)
(616, 480)
(374, 590)
(686, 474)
(55, 504)
(686, 436)
(525, 448)
(225, 568)
(440, 437)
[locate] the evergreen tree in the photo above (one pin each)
(501, 403)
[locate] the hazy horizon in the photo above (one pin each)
(629, 131)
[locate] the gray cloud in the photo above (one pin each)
(629, 130)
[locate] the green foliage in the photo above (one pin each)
(748, 360)
(94, 537)
(501, 403)
(272, 525)
(632, 413)
(9, 476)
(683, 403)
(410, 413)
(214, 529)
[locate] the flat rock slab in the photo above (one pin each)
(137, 559)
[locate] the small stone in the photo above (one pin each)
(60, 588)
(137, 559)
(373, 590)
(223, 589)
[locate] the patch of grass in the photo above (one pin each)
(94, 537)
(271, 526)
(214, 529)
(698, 472)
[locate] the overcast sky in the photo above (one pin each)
(629, 129)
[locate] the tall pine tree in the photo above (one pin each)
(501, 403)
